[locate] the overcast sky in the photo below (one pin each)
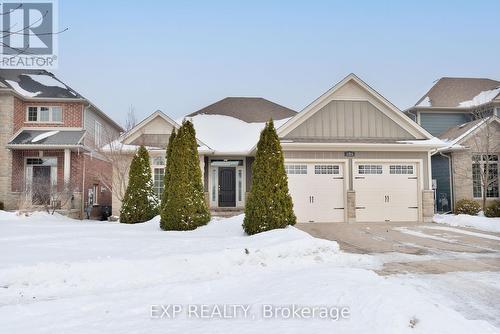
(182, 56)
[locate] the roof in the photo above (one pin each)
(48, 137)
(37, 83)
(247, 109)
(460, 93)
(392, 111)
(41, 84)
(458, 134)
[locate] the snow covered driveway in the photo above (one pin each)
(59, 276)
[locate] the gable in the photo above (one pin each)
(145, 132)
(476, 140)
(349, 119)
(352, 109)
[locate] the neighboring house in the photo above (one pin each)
(350, 155)
(449, 110)
(48, 137)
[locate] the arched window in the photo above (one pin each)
(158, 161)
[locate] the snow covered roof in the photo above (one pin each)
(247, 109)
(225, 134)
(460, 93)
(48, 137)
(37, 83)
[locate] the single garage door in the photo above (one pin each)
(317, 191)
(386, 192)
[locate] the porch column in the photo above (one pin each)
(67, 165)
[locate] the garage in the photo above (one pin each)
(317, 191)
(386, 191)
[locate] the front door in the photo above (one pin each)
(227, 186)
(41, 185)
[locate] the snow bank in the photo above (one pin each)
(480, 223)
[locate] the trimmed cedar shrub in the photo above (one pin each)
(184, 206)
(269, 205)
(467, 207)
(493, 210)
(140, 202)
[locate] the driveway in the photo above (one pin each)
(418, 248)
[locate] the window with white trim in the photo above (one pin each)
(97, 133)
(370, 169)
(44, 114)
(326, 169)
(400, 169)
(479, 164)
(158, 179)
(296, 169)
(95, 191)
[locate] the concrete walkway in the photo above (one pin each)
(436, 248)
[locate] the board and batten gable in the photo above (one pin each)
(109, 131)
(352, 112)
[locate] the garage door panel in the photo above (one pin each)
(317, 191)
(386, 191)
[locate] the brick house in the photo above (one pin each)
(48, 139)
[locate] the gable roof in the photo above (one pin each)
(37, 83)
(144, 122)
(458, 134)
(393, 112)
(460, 93)
(247, 109)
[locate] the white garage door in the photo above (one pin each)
(317, 190)
(386, 192)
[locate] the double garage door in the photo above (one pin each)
(384, 191)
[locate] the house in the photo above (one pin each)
(454, 110)
(49, 134)
(350, 155)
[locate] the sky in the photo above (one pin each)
(182, 56)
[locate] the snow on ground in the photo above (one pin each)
(61, 275)
(477, 222)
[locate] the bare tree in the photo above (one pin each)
(50, 197)
(131, 120)
(484, 148)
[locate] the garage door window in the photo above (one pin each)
(370, 169)
(400, 169)
(326, 169)
(296, 169)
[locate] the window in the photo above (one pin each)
(158, 161)
(326, 169)
(214, 186)
(296, 169)
(158, 176)
(479, 173)
(370, 169)
(97, 134)
(95, 192)
(240, 183)
(44, 114)
(400, 169)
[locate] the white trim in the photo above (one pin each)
(50, 121)
(148, 119)
(396, 114)
(294, 146)
(214, 203)
(67, 165)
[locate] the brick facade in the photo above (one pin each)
(72, 114)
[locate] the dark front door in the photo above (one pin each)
(227, 186)
(40, 188)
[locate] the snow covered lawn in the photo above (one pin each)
(477, 222)
(60, 275)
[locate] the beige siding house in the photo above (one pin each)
(350, 155)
